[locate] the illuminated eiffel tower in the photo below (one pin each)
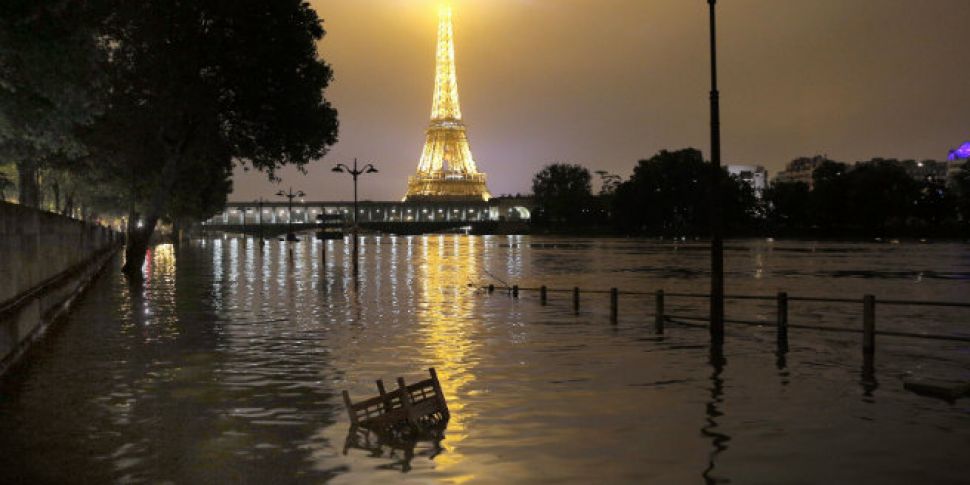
(447, 169)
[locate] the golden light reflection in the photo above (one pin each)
(162, 261)
(448, 333)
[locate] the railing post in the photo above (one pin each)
(658, 314)
(782, 321)
(515, 291)
(542, 294)
(869, 325)
(614, 304)
(576, 300)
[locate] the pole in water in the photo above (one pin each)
(782, 322)
(658, 315)
(515, 291)
(869, 325)
(543, 297)
(576, 300)
(717, 242)
(491, 289)
(614, 303)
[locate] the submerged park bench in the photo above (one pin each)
(420, 406)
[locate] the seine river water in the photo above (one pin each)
(226, 366)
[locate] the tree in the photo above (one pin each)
(49, 82)
(196, 87)
(788, 206)
(934, 204)
(669, 194)
(563, 193)
(5, 185)
(880, 195)
(609, 182)
(829, 196)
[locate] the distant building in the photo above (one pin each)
(754, 175)
(801, 170)
(960, 154)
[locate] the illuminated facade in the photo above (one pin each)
(962, 153)
(447, 170)
(755, 176)
(497, 209)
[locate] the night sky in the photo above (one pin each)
(605, 83)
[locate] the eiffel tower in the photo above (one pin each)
(447, 169)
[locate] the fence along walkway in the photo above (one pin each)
(782, 300)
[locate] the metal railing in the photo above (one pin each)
(781, 324)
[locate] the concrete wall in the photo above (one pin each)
(45, 261)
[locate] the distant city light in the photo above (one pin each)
(961, 153)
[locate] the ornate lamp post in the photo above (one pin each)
(717, 242)
(355, 173)
(290, 236)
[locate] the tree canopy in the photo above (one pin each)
(670, 194)
(563, 193)
(197, 87)
(50, 82)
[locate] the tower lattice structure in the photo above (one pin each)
(447, 170)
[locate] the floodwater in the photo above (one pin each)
(226, 366)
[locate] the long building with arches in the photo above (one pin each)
(499, 209)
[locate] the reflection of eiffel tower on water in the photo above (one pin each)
(447, 170)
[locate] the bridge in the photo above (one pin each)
(410, 217)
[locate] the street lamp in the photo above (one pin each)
(290, 236)
(717, 243)
(355, 172)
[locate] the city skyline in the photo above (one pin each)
(851, 81)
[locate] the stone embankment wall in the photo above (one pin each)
(46, 261)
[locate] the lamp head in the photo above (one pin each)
(300, 194)
(372, 170)
(337, 169)
(281, 193)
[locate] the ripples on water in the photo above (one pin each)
(227, 363)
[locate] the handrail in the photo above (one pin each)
(953, 304)
(823, 328)
(781, 324)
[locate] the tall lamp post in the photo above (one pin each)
(290, 236)
(355, 173)
(717, 242)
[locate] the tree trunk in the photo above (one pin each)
(29, 192)
(138, 240)
(176, 232)
(140, 237)
(56, 188)
(68, 205)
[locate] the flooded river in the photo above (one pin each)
(226, 366)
